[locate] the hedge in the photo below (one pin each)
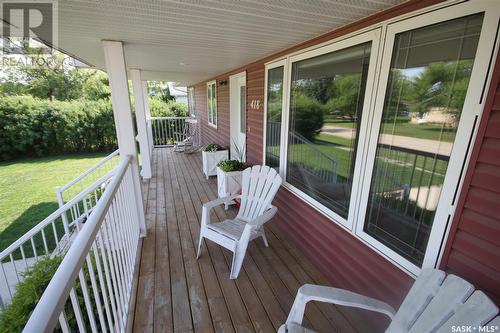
(36, 127)
(160, 108)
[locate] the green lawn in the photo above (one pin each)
(394, 167)
(420, 131)
(337, 140)
(27, 190)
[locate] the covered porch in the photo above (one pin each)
(129, 264)
(177, 293)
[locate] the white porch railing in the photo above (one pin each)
(167, 130)
(77, 185)
(92, 287)
(50, 237)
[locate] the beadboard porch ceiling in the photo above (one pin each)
(190, 41)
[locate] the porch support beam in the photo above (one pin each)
(147, 111)
(140, 118)
(120, 99)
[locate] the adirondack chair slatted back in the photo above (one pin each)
(476, 311)
(434, 303)
(259, 185)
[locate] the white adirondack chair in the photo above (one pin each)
(433, 304)
(258, 188)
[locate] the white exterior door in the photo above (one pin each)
(237, 92)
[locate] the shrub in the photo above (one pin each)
(28, 292)
(15, 315)
(38, 127)
(160, 108)
(307, 115)
(35, 127)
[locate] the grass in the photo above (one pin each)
(395, 167)
(336, 140)
(27, 190)
(420, 131)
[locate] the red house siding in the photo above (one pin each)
(473, 247)
(344, 259)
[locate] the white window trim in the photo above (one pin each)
(370, 36)
(445, 208)
(375, 97)
(284, 98)
(212, 124)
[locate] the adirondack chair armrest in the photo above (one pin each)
(207, 206)
(266, 216)
(309, 292)
(214, 203)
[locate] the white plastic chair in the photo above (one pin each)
(433, 304)
(183, 140)
(258, 188)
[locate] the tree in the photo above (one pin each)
(343, 95)
(441, 84)
(160, 90)
(52, 76)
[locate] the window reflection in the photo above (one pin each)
(274, 110)
(326, 101)
(428, 81)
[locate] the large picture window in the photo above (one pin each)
(374, 132)
(212, 103)
(422, 110)
(326, 101)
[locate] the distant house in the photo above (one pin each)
(179, 93)
(436, 115)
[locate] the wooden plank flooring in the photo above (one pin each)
(177, 293)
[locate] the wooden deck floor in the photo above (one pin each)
(177, 293)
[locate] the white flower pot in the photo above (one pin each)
(210, 160)
(228, 183)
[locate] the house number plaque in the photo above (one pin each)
(255, 104)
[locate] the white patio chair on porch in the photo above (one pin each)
(258, 188)
(183, 140)
(433, 304)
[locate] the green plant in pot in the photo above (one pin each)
(229, 177)
(213, 147)
(212, 154)
(231, 165)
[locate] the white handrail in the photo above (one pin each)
(167, 130)
(49, 219)
(167, 118)
(89, 171)
(81, 182)
(52, 236)
(111, 234)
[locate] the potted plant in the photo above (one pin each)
(229, 177)
(212, 154)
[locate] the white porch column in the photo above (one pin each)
(147, 111)
(140, 118)
(117, 72)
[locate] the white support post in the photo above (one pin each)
(147, 112)
(140, 118)
(120, 99)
